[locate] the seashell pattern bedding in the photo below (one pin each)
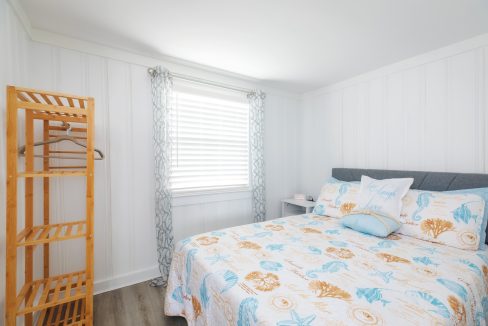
(309, 270)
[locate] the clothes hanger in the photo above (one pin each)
(60, 139)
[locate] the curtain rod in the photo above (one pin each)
(205, 81)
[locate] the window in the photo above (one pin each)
(210, 131)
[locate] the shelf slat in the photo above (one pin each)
(51, 232)
(53, 117)
(57, 94)
(52, 109)
(55, 173)
(71, 313)
(37, 299)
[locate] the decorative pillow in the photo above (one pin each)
(451, 219)
(483, 193)
(336, 198)
(371, 223)
(383, 197)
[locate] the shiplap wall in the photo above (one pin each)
(13, 70)
(426, 113)
(124, 205)
(125, 246)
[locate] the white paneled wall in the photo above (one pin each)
(125, 246)
(427, 113)
(124, 206)
(13, 70)
(281, 151)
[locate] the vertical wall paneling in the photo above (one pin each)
(13, 70)
(125, 245)
(485, 103)
(462, 113)
(395, 121)
(350, 127)
(280, 151)
(121, 164)
(435, 133)
(68, 201)
(96, 86)
(124, 183)
(376, 146)
(142, 170)
(413, 107)
(427, 113)
(362, 118)
(480, 97)
(332, 130)
(273, 151)
(321, 145)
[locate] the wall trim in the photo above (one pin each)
(123, 280)
(416, 61)
(203, 71)
(143, 59)
(150, 60)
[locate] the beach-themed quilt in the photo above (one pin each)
(309, 270)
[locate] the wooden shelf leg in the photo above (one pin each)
(29, 202)
(11, 217)
(89, 212)
(45, 184)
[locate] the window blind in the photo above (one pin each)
(210, 131)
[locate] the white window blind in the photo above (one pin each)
(210, 131)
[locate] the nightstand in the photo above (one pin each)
(297, 204)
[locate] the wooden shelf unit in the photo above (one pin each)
(56, 299)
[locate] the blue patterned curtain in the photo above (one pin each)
(256, 127)
(162, 86)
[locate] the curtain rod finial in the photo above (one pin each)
(154, 71)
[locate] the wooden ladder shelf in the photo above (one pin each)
(53, 299)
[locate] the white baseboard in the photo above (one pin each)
(124, 280)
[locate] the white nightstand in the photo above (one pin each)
(297, 203)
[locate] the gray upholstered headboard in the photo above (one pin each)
(434, 181)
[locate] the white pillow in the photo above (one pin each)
(383, 197)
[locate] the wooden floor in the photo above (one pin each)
(138, 304)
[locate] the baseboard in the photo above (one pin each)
(124, 280)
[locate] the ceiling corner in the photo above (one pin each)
(20, 12)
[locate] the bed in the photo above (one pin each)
(309, 270)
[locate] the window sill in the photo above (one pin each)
(204, 197)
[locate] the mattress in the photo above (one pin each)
(309, 270)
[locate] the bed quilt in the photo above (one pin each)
(309, 270)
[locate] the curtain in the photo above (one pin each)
(256, 128)
(162, 86)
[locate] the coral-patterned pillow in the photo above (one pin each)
(336, 198)
(451, 219)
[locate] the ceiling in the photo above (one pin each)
(297, 45)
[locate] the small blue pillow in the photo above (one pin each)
(483, 193)
(371, 223)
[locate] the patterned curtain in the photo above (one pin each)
(256, 116)
(162, 86)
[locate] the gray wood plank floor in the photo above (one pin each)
(138, 304)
